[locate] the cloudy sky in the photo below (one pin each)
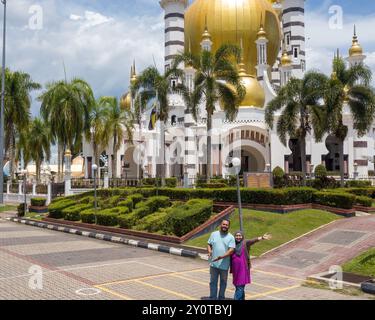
(98, 39)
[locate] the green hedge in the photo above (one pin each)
(136, 198)
(358, 184)
(56, 209)
(38, 202)
(128, 203)
(155, 203)
(127, 221)
(88, 215)
(152, 223)
(335, 199)
(107, 218)
(73, 213)
(183, 219)
(363, 201)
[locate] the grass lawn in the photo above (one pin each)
(364, 264)
(283, 227)
(8, 208)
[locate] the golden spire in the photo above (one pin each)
(261, 33)
(133, 74)
(356, 49)
(286, 61)
(206, 35)
(242, 68)
(334, 73)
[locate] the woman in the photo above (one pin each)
(240, 263)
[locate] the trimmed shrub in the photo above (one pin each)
(56, 209)
(335, 199)
(87, 200)
(171, 182)
(363, 201)
(128, 203)
(136, 198)
(213, 185)
(72, 213)
(38, 202)
(278, 175)
(183, 219)
(107, 218)
(320, 171)
(88, 216)
(21, 210)
(127, 221)
(153, 222)
(358, 184)
(155, 203)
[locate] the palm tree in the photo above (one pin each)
(65, 108)
(301, 103)
(154, 85)
(216, 81)
(18, 86)
(349, 86)
(39, 142)
(118, 122)
(97, 128)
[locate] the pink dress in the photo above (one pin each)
(240, 269)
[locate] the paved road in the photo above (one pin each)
(75, 267)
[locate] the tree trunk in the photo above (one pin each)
(303, 159)
(114, 164)
(209, 146)
(341, 160)
(58, 161)
(37, 165)
(12, 156)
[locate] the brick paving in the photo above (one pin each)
(74, 267)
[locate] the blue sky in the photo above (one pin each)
(98, 39)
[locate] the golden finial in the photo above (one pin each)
(356, 49)
(206, 35)
(261, 33)
(286, 61)
(241, 65)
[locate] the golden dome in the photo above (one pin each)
(230, 20)
(126, 101)
(356, 49)
(286, 61)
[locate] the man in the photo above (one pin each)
(220, 244)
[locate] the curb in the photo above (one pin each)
(115, 239)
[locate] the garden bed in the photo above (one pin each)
(210, 225)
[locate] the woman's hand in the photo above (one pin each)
(267, 236)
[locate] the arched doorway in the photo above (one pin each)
(129, 166)
(294, 159)
(332, 159)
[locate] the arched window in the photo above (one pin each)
(173, 120)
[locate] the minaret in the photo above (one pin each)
(356, 55)
(133, 74)
(286, 68)
(206, 43)
(293, 19)
(174, 28)
(261, 43)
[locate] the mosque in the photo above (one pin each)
(272, 36)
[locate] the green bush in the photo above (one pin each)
(183, 219)
(114, 200)
(279, 179)
(320, 171)
(155, 203)
(171, 182)
(335, 199)
(128, 203)
(213, 185)
(153, 222)
(136, 198)
(87, 200)
(38, 202)
(358, 184)
(127, 221)
(21, 210)
(107, 218)
(72, 213)
(88, 216)
(56, 209)
(363, 201)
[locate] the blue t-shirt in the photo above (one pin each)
(221, 243)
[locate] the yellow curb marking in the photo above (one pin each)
(271, 292)
(279, 275)
(165, 290)
(113, 293)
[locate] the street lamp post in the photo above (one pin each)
(95, 168)
(4, 2)
(236, 162)
(24, 173)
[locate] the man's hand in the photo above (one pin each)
(217, 259)
(267, 236)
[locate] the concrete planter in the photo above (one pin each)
(368, 286)
(36, 209)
